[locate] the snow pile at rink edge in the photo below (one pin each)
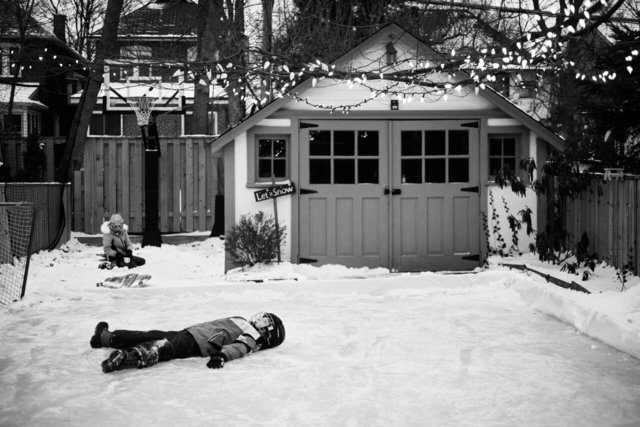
(620, 332)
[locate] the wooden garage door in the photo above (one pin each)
(435, 195)
(400, 194)
(344, 212)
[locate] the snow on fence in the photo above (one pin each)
(112, 180)
(608, 212)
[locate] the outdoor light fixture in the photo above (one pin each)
(392, 54)
(394, 104)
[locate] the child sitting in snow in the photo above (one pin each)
(221, 340)
(117, 245)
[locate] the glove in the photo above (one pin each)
(129, 253)
(106, 265)
(216, 361)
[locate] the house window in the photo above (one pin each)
(12, 124)
(33, 123)
(73, 86)
(272, 154)
(527, 90)
(344, 157)
(8, 60)
(212, 123)
(502, 154)
(434, 156)
(528, 84)
(139, 58)
(105, 124)
(502, 84)
(391, 53)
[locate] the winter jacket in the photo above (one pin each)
(233, 336)
(113, 244)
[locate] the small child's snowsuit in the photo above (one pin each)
(227, 339)
(119, 247)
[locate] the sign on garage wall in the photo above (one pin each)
(273, 192)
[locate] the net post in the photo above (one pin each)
(28, 261)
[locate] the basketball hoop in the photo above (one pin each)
(142, 106)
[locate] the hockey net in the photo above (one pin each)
(16, 233)
(49, 222)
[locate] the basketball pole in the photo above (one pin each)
(142, 106)
(151, 145)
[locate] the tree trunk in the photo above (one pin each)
(267, 44)
(206, 54)
(107, 48)
(230, 42)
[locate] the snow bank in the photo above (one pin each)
(605, 321)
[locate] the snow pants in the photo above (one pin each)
(182, 342)
(135, 261)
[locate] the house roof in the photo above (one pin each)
(158, 19)
(34, 31)
(489, 94)
(24, 96)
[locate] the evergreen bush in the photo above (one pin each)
(254, 239)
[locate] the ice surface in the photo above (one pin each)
(399, 350)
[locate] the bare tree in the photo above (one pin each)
(106, 48)
(84, 18)
(482, 39)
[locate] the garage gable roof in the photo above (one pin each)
(502, 103)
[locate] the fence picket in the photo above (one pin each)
(608, 213)
(125, 177)
(163, 196)
(137, 201)
(189, 185)
(177, 180)
(202, 206)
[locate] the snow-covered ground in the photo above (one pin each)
(363, 348)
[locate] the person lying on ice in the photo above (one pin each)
(221, 340)
(117, 244)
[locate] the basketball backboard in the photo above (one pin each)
(166, 96)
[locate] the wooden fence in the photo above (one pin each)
(113, 181)
(608, 213)
(14, 149)
(52, 224)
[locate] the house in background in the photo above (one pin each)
(402, 184)
(155, 42)
(43, 72)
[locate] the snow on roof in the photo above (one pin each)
(23, 95)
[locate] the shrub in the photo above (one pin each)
(254, 239)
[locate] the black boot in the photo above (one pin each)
(153, 352)
(120, 359)
(96, 340)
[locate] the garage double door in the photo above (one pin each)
(396, 194)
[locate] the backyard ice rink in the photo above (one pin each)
(373, 350)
